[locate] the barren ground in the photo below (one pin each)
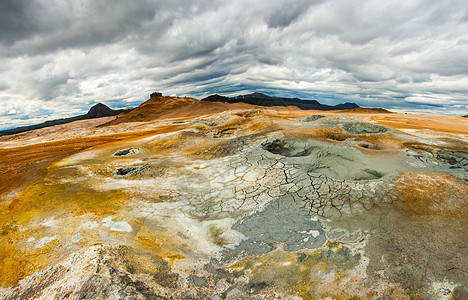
(236, 202)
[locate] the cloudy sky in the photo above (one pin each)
(58, 58)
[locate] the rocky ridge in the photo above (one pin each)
(265, 100)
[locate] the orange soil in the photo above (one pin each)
(174, 107)
(432, 194)
(447, 124)
(18, 164)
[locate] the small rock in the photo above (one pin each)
(132, 171)
(445, 291)
(126, 152)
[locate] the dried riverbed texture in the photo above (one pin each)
(239, 205)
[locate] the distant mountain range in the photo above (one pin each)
(97, 111)
(265, 100)
(159, 106)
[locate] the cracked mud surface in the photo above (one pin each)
(243, 205)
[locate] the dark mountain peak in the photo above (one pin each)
(347, 105)
(257, 95)
(310, 102)
(100, 110)
(265, 100)
(219, 98)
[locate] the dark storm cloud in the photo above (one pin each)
(64, 55)
(17, 21)
(284, 15)
(33, 27)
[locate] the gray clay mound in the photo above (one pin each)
(334, 161)
(289, 148)
(135, 172)
(441, 160)
(456, 159)
(363, 143)
(310, 118)
(126, 152)
(364, 128)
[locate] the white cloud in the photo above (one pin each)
(65, 56)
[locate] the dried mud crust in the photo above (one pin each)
(327, 179)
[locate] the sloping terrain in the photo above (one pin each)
(160, 107)
(183, 200)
